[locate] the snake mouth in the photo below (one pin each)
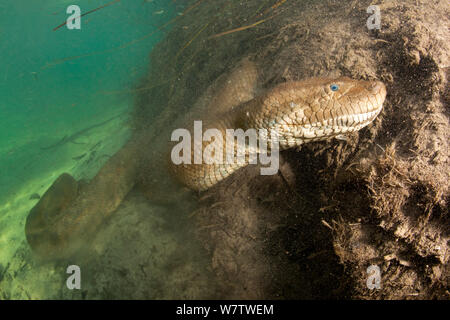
(294, 135)
(346, 123)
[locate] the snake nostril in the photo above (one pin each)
(376, 86)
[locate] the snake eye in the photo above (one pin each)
(334, 87)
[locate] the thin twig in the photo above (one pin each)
(240, 28)
(93, 10)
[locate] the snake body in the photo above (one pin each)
(299, 112)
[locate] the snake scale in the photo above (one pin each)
(298, 111)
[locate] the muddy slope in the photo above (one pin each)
(380, 198)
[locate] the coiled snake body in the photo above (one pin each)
(299, 112)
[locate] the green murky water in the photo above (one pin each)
(65, 98)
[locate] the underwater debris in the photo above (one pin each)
(276, 5)
(77, 134)
(34, 196)
(125, 45)
(91, 157)
(96, 145)
(3, 270)
(240, 28)
(79, 157)
(199, 32)
(56, 199)
(161, 27)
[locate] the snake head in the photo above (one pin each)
(319, 108)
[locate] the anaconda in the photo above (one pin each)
(298, 111)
